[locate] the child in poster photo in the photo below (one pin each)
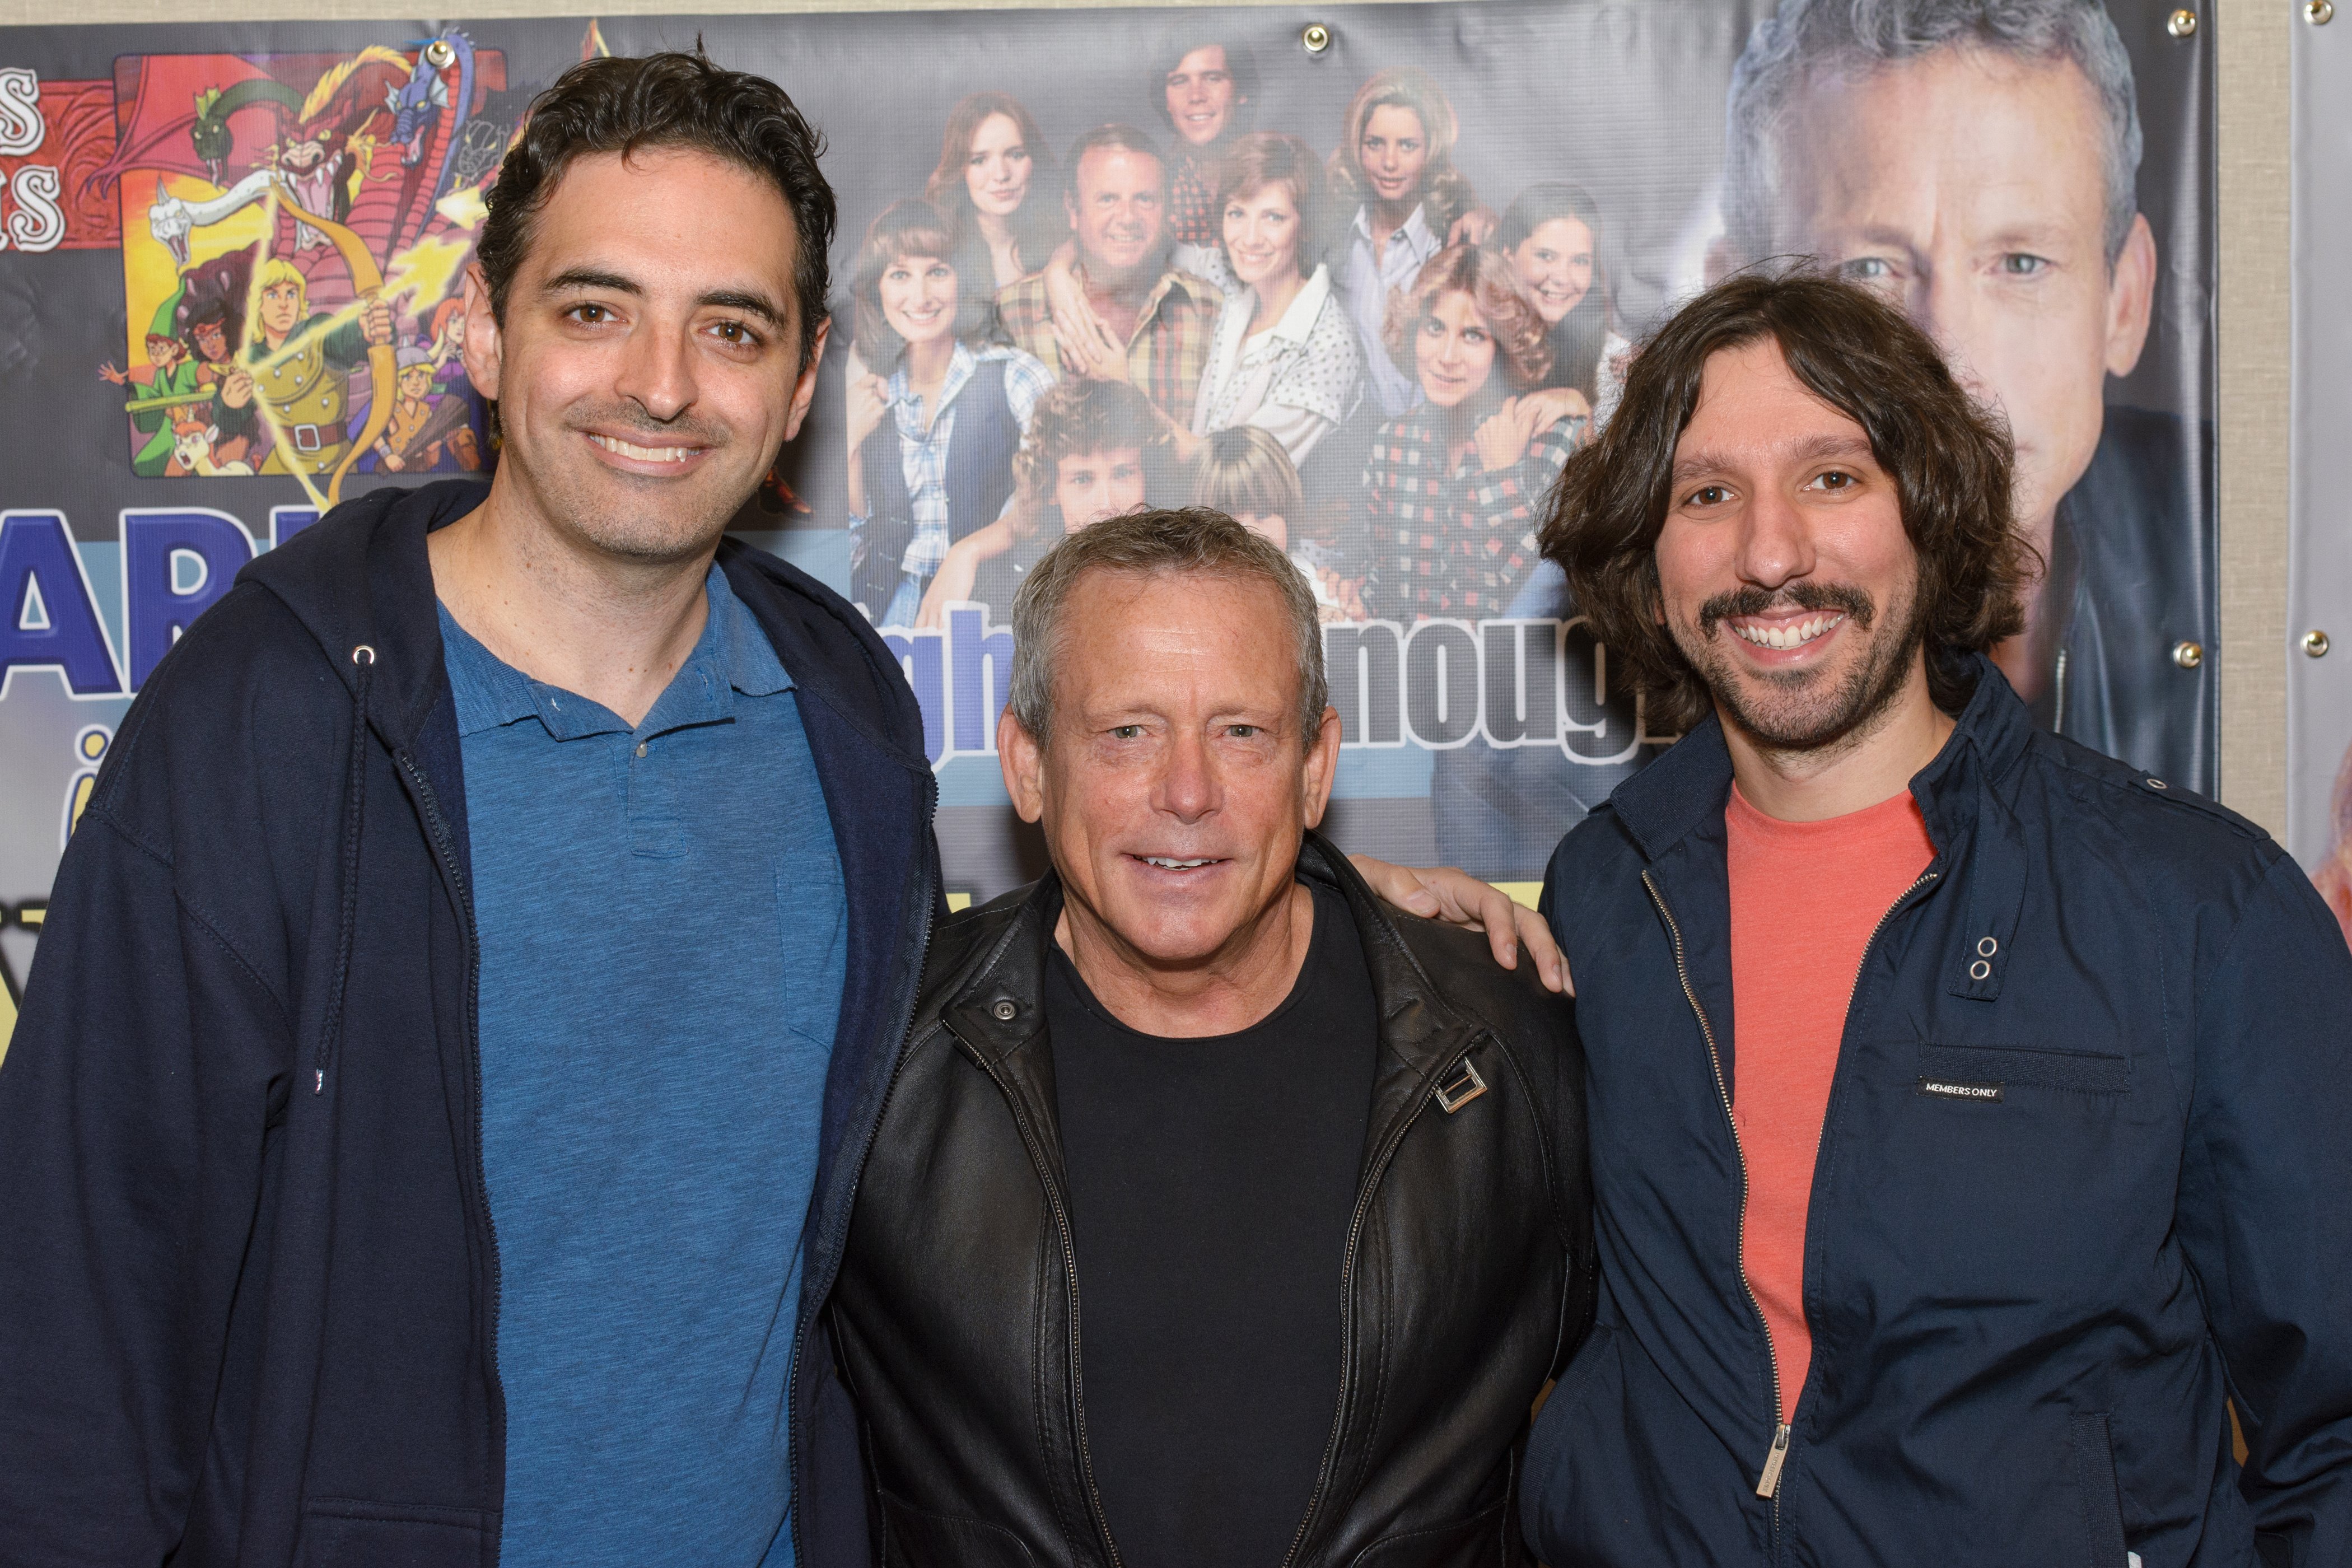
(1552, 234)
(933, 426)
(1284, 356)
(1453, 491)
(1094, 449)
(1244, 473)
(1395, 162)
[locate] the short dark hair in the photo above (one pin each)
(1122, 138)
(618, 104)
(1950, 459)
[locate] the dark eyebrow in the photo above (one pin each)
(1812, 449)
(589, 277)
(758, 305)
(751, 304)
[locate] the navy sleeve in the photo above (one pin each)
(2266, 1208)
(133, 1101)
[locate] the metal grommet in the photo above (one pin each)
(1005, 1011)
(2315, 643)
(1317, 38)
(1980, 970)
(2158, 783)
(2187, 655)
(1987, 947)
(2181, 24)
(440, 53)
(364, 648)
(2318, 13)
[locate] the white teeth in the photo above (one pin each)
(1794, 634)
(1167, 865)
(642, 454)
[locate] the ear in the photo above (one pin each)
(2131, 298)
(484, 352)
(211, 434)
(1024, 763)
(1322, 767)
(804, 390)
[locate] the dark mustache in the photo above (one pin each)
(1754, 601)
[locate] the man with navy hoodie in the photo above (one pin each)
(1971, 1114)
(432, 1126)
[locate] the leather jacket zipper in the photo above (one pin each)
(1767, 1484)
(1380, 1166)
(1069, 1272)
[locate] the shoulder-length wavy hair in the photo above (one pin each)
(1444, 191)
(1039, 225)
(909, 227)
(1578, 338)
(1263, 158)
(1522, 347)
(1950, 459)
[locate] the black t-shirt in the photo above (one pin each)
(1211, 1183)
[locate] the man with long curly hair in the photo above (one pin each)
(1969, 1109)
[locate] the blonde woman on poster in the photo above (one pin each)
(1396, 161)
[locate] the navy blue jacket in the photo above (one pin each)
(248, 1287)
(2086, 1180)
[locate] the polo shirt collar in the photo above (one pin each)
(732, 655)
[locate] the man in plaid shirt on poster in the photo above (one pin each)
(1127, 315)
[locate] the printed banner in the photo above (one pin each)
(1365, 277)
(2319, 578)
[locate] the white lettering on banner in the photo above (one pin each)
(1436, 684)
(22, 129)
(38, 223)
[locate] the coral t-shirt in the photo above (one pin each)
(1805, 897)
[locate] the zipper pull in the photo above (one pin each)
(1770, 1482)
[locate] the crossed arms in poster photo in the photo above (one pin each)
(1945, 1137)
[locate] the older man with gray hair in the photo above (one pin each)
(1978, 161)
(1310, 1172)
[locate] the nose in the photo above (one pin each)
(657, 371)
(1946, 309)
(1188, 787)
(1776, 544)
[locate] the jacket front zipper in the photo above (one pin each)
(1348, 1310)
(927, 902)
(445, 845)
(1769, 1483)
(1030, 1141)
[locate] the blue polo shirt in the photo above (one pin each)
(662, 932)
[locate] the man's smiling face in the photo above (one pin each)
(1175, 784)
(649, 366)
(1785, 575)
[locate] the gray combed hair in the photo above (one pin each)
(1184, 540)
(1808, 36)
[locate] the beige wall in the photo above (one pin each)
(2252, 38)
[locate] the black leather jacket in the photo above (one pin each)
(1468, 1280)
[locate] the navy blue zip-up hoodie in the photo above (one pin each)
(249, 1284)
(2087, 1175)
